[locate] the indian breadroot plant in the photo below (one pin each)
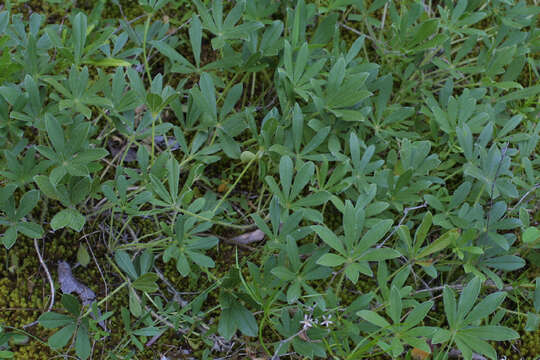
(264, 179)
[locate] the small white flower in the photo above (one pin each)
(326, 320)
(307, 322)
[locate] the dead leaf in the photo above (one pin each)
(30, 285)
(140, 109)
(171, 142)
(418, 354)
(68, 285)
(223, 187)
(248, 238)
(303, 335)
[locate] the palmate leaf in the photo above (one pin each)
(123, 260)
(146, 282)
(68, 218)
(22, 172)
(69, 326)
(239, 317)
(326, 121)
(289, 194)
(15, 217)
(180, 63)
(401, 332)
(187, 247)
(469, 337)
(235, 316)
(74, 157)
(77, 93)
(355, 253)
(228, 28)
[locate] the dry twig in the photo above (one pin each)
(49, 278)
(405, 213)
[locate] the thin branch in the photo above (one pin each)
(100, 273)
(536, 186)
(49, 278)
(284, 341)
(128, 22)
(171, 288)
(384, 17)
(405, 213)
(370, 37)
(488, 283)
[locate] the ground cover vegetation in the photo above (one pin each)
(263, 179)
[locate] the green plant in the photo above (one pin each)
(465, 317)
(76, 325)
(14, 219)
(355, 252)
(270, 179)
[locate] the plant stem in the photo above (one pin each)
(231, 188)
(145, 38)
(106, 297)
(340, 283)
(217, 222)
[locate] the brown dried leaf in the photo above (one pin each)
(68, 285)
(303, 335)
(418, 354)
